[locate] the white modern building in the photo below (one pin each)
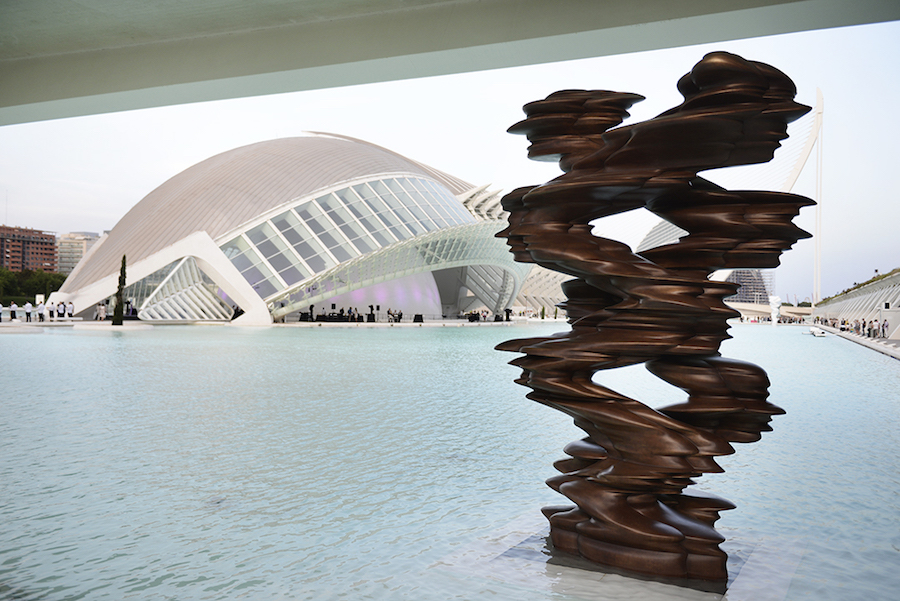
(876, 300)
(265, 231)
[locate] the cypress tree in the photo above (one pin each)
(119, 311)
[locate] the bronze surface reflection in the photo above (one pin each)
(628, 476)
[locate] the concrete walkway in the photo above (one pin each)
(882, 345)
(439, 323)
(35, 326)
(20, 324)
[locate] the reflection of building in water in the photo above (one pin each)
(266, 230)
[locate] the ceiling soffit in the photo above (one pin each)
(62, 58)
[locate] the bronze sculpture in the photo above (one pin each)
(628, 476)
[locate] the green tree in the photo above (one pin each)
(9, 285)
(22, 285)
(32, 283)
(119, 311)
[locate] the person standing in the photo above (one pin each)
(13, 307)
(60, 310)
(70, 310)
(28, 307)
(40, 311)
(1, 312)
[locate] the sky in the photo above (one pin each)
(85, 173)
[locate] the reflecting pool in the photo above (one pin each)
(293, 463)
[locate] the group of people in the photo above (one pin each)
(47, 312)
(768, 319)
(100, 312)
(870, 329)
(351, 314)
(476, 315)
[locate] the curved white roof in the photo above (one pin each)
(221, 193)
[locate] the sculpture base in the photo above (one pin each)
(573, 531)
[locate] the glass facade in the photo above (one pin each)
(490, 271)
(137, 294)
(179, 291)
(318, 234)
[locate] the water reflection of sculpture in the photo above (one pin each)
(628, 476)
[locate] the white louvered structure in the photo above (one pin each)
(542, 288)
(878, 300)
(185, 294)
(266, 230)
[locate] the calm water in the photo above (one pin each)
(229, 463)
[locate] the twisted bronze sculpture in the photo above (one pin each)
(628, 476)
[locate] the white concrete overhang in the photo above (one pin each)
(60, 58)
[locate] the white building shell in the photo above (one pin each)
(274, 227)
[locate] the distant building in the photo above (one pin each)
(72, 246)
(270, 231)
(27, 249)
(875, 300)
(756, 285)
